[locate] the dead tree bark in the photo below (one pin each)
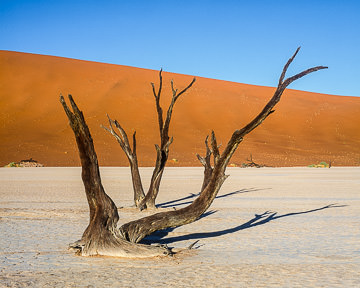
(132, 157)
(206, 161)
(141, 200)
(101, 237)
(162, 151)
(136, 230)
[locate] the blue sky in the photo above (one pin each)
(240, 41)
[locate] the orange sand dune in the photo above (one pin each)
(306, 128)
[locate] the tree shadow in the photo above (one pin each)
(158, 235)
(178, 202)
(259, 219)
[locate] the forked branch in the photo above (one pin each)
(164, 125)
(157, 101)
(122, 139)
(124, 143)
(162, 151)
(206, 161)
(238, 134)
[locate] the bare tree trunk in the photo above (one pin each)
(136, 230)
(101, 237)
(137, 185)
(162, 155)
(162, 151)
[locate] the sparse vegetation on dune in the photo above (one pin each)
(25, 163)
(320, 165)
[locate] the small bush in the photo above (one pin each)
(320, 165)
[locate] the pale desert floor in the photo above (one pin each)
(44, 209)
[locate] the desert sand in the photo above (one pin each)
(304, 245)
(305, 129)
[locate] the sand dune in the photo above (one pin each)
(306, 128)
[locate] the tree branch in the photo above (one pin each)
(165, 142)
(268, 109)
(214, 147)
(123, 140)
(157, 102)
(206, 162)
(165, 130)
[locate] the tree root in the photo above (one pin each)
(117, 247)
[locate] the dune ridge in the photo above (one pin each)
(306, 128)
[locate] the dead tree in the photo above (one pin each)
(102, 237)
(251, 163)
(141, 200)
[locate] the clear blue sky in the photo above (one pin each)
(241, 41)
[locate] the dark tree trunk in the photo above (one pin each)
(136, 230)
(162, 155)
(101, 237)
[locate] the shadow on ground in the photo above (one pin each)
(259, 219)
(180, 201)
